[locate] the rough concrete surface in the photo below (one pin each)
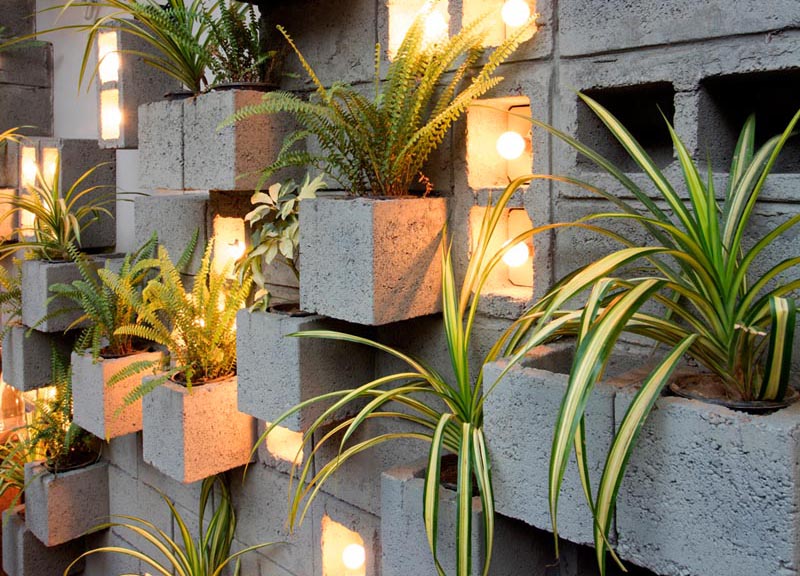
(25, 555)
(27, 356)
(161, 145)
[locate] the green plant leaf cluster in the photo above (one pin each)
(206, 555)
(275, 225)
(10, 296)
(379, 145)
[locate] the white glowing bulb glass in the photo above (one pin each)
(28, 166)
(354, 556)
(515, 13)
(107, 55)
(517, 255)
(510, 145)
(49, 165)
(236, 250)
(435, 28)
(110, 115)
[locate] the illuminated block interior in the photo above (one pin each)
(507, 16)
(285, 444)
(108, 57)
(28, 166)
(229, 243)
(50, 159)
(514, 275)
(343, 552)
(403, 12)
(110, 114)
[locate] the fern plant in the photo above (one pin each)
(197, 326)
(275, 224)
(378, 146)
(98, 294)
(10, 296)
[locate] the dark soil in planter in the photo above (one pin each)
(709, 388)
(255, 86)
(86, 449)
(291, 309)
(180, 380)
(178, 95)
(139, 348)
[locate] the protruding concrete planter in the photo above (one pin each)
(277, 372)
(27, 357)
(37, 277)
(62, 507)
(369, 260)
(161, 145)
(24, 555)
(190, 435)
(95, 404)
(233, 157)
(405, 546)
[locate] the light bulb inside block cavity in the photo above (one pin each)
(108, 57)
(515, 13)
(28, 167)
(510, 145)
(435, 27)
(110, 115)
(354, 556)
(49, 165)
(236, 250)
(517, 255)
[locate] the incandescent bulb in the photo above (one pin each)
(515, 13)
(517, 255)
(510, 145)
(435, 28)
(236, 250)
(108, 57)
(353, 556)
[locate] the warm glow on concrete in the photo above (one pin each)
(110, 115)
(49, 165)
(229, 243)
(108, 57)
(285, 444)
(27, 166)
(402, 14)
(520, 265)
(506, 16)
(340, 550)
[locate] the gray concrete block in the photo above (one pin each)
(96, 405)
(24, 555)
(190, 435)
(277, 373)
(19, 17)
(175, 218)
(37, 112)
(231, 158)
(37, 277)
(390, 249)
(711, 491)
(586, 27)
(62, 507)
(9, 167)
(405, 548)
(187, 495)
(27, 357)
(124, 452)
(336, 525)
(28, 65)
(107, 563)
(161, 145)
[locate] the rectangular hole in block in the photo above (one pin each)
(637, 108)
(727, 101)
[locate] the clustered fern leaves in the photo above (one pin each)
(197, 327)
(10, 296)
(235, 44)
(378, 146)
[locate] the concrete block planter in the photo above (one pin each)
(233, 157)
(190, 435)
(277, 373)
(26, 357)
(24, 555)
(62, 507)
(405, 547)
(37, 277)
(371, 261)
(95, 404)
(161, 145)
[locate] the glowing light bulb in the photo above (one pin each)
(515, 13)
(517, 255)
(354, 556)
(108, 57)
(236, 250)
(435, 28)
(110, 115)
(510, 145)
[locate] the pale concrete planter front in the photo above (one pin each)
(24, 555)
(27, 356)
(64, 506)
(37, 277)
(277, 372)
(161, 145)
(100, 408)
(371, 260)
(190, 435)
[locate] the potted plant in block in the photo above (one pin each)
(736, 327)
(100, 352)
(376, 147)
(191, 427)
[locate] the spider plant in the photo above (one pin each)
(97, 296)
(698, 271)
(206, 555)
(378, 146)
(58, 216)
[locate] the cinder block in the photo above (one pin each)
(19, 17)
(124, 452)
(9, 167)
(96, 405)
(390, 249)
(711, 491)
(161, 145)
(519, 418)
(190, 435)
(37, 277)
(24, 555)
(405, 545)
(108, 563)
(29, 64)
(36, 113)
(10, 222)
(62, 507)
(27, 357)
(277, 373)
(175, 218)
(329, 515)
(233, 157)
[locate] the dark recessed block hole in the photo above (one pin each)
(637, 107)
(727, 101)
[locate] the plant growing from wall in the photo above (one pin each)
(378, 146)
(206, 555)
(59, 216)
(10, 296)
(275, 225)
(197, 327)
(698, 270)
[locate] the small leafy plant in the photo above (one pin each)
(206, 555)
(10, 296)
(275, 225)
(378, 146)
